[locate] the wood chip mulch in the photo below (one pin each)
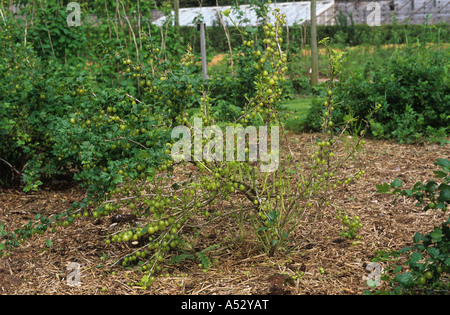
(327, 264)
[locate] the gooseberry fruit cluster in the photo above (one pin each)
(350, 225)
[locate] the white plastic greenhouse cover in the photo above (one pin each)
(296, 13)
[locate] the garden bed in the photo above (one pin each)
(323, 264)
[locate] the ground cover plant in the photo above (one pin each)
(428, 257)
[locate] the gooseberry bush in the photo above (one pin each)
(117, 143)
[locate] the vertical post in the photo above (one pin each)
(203, 51)
(314, 52)
(176, 8)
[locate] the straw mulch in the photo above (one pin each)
(330, 265)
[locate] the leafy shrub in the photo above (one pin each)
(49, 32)
(314, 120)
(57, 118)
(412, 88)
(231, 90)
(395, 33)
(21, 94)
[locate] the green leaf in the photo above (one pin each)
(415, 257)
(44, 219)
(444, 163)
(204, 259)
(273, 215)
(396, 183)
(404, 250)
(440, 174)
(430, 186)
(444, 195)
(184, 256)
(251, 29)
(433, 252)
(48, 243)
(406, 279)
(420, 267)
(207, 249)
(447, 262)
(143, 155)
(417, 237)
(382, 189)
(436, 235)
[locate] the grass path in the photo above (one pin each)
(297, 110)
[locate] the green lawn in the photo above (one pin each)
(297, 110)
